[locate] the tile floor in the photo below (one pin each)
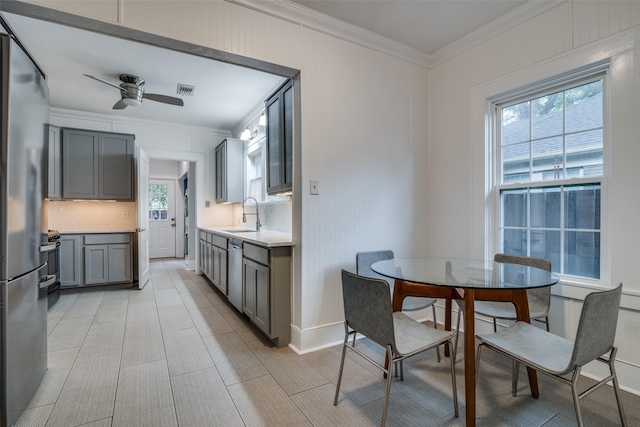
(176, 353)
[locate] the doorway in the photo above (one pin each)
(162, 218)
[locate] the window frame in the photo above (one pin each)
(561, 82)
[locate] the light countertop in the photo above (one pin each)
(262, 238)
(94, 231)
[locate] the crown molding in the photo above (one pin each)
(498, 26)
(305, 17)
(130, 121)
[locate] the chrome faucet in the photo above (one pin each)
(257, 213)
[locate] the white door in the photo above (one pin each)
(143, 218)
(162, 218)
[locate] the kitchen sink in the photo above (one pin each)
(240, 230)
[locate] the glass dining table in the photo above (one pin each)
(465, 281)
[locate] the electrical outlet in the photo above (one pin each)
(314, 187)
(207, 204)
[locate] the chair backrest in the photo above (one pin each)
(541, 263)
(541, 295)
(597, 326)
(367, 307)
(364, 260)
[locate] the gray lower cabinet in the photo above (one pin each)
(95, 259)
(213, 259)
(71, 260)
(266, 296)
(97, 165)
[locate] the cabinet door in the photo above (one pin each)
(263, 299)
(221, 173)
(96, 264)
(203, 257)
(119, 263)
(279, 110)
(210, 266)
(256, 296)
(215, 270)
(115, 167)
(249, 288)
(79, 164)
(70, 260)
(55, 163)
(222, 277)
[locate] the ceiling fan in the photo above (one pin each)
(132, 92)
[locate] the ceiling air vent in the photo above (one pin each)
(185, 90)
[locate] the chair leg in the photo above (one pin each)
(479, 350)
(576, 396)
(344, 352)
(514, 377)
(495, 325)
(435, 325)
(546, 321)
(455, 345)
(616, 386)
(385, 406)
(452, 360)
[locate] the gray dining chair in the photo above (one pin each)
(539, 299)
(364, 261)
(368, 311)
(558, 357)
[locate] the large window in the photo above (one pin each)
(550, 151)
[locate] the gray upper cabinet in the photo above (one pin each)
(55, 162)
(230, 171)
(279, 109)
(97, 165)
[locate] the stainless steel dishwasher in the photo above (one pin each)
(235, 273)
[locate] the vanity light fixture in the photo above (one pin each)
(248, 134)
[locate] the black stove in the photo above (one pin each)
(52, 258)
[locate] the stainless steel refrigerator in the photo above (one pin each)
(24, 113)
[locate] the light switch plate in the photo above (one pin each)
(314, 187)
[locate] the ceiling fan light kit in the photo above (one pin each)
(132, 92)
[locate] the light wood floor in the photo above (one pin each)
(176, 353)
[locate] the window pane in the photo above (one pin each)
(515, 123)
(582, 207)
(546, 244)
(545, 208)
(515, 163)
(584, 154)
(582, 254)
(514, 208)
(514, 242)
(584, 107)
(547, 116)
(547, 159)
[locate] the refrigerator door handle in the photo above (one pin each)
(48, 247)
(46, 281)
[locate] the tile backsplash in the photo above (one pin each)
(91, 215)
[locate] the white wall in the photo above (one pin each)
(570, 35)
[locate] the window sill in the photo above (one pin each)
(630, 299)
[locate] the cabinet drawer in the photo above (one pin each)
(256, 253)
(203, 235)
(220, 241)
(105, 239)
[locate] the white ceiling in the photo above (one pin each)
(224, 93)
(425, 25)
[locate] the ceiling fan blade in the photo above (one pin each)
(105, 82)
(120, 105)
(164, 98)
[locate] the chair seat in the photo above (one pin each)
(506, 310)
(533, 346)
(413, 337)
(417, 303)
